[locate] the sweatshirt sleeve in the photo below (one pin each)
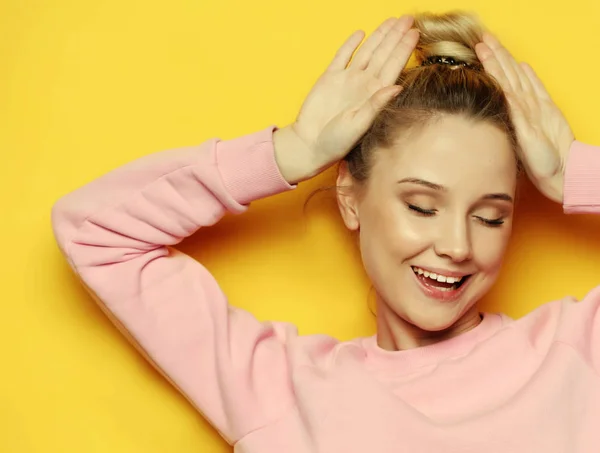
(582, 180)
(580, 321)
(117, 233)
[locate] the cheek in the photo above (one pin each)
(489, 247)
(391, 235)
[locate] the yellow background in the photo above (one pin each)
(88, 85)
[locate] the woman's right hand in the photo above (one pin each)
(345, 100)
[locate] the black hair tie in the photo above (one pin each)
(440, 59)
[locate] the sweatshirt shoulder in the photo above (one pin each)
(323, 353)
(568, 321)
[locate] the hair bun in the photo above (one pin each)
(451, 35)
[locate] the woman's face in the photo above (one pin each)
(435, 219)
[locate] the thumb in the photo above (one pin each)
(368, 111)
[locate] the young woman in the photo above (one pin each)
(429, 162)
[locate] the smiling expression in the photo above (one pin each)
(434, 220)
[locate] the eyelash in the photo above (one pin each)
(494, 223)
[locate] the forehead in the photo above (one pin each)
(454, 152)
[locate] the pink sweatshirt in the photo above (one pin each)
(527, 385)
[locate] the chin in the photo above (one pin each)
(433, 315)
(432, 309)
(434, 320)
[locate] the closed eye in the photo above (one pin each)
(491, 222)
(425, 212)
(494, 223)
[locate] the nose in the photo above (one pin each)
(454, 241)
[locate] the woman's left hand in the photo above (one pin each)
(543, 132)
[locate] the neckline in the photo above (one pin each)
(434, 353)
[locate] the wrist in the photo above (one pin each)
(292, 155)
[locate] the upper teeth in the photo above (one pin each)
(438, 277)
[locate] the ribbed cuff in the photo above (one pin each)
(582, 180)
(248, 167)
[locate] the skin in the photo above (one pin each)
(471, 160)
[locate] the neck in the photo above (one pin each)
(397, 334)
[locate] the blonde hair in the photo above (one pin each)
(452, 34)
(434, 90)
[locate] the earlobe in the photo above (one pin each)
(346, 197)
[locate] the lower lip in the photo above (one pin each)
(438, 294)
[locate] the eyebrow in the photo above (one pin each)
(440, 188)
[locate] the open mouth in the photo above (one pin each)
(439, 282)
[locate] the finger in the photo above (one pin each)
(538, 87)
(491, 65)
(362, 57)
(518, 111)
(526, 81)
(505, 59)
(344, 53)
(397, 61)
(389, 43)
(368, 111)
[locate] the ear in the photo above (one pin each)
(347, 198)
